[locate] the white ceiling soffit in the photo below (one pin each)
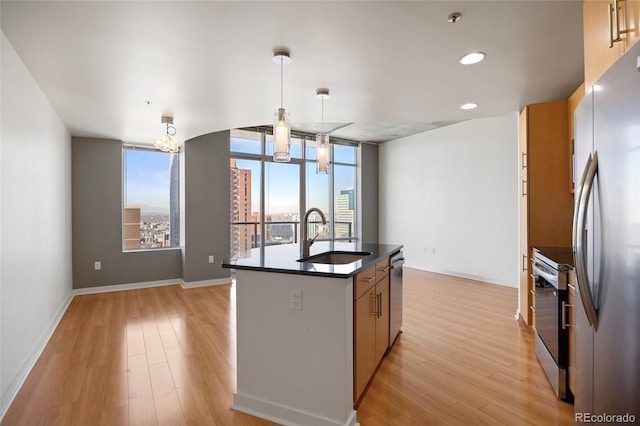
(391, 66)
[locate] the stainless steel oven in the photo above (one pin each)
(551, 268)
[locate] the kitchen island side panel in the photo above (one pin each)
(297, 363)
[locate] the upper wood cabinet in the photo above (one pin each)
(598, 55)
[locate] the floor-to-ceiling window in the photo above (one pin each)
(151, 199)
(268, 199)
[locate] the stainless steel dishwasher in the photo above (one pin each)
(395, 296)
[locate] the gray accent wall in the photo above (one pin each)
(97, 222)
(206, 210)
(369, 190)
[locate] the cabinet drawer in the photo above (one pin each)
(364, 281)
(382, 269)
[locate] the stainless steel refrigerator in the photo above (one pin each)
(607, 244)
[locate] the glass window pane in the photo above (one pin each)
(246, 141)
(345, 201)
(282, 202)
(344, 154)
(295, 147)
(151, 213)
(244, 179)
(311, 149)
(317, 196)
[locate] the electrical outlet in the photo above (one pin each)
(97, 266)
(211, 259)
(296, 300)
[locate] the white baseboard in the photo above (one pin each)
(14, 387)
(517, 315)
(205, 283)
(148, 284)
(128, 286)
(284, 415)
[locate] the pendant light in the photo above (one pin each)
(322, 140)
(165, 142)
(282, 124)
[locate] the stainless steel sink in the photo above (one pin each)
(336, 257)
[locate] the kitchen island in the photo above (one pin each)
(295, 333)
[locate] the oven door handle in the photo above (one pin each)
(579, 231)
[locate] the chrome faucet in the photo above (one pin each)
(305, 243)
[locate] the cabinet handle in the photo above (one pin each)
(533, 292)
(371, 279)
(379, 305)
(524, 263)
(564, 315)
(385, 270)
(614, 23)
(523, 187)
(375, 309)
(523, 160)
(533, 309)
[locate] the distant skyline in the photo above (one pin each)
(283, 188)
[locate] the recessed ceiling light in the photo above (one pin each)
(470, 105)
(454, 17)
(472, 58)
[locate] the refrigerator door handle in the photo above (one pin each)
(579, 229)
(576, 213)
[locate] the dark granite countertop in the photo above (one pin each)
(283, 259)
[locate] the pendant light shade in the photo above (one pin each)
(165, 142)
(322, 140)
(282, 123)
(281, 136)
(322, 163)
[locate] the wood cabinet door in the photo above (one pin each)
(364, 341)
(382, 322)
(630, 20)
(598, 56)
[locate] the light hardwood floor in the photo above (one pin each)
(167, 356)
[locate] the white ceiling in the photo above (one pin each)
(391, 66)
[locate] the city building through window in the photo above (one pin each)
(151, 199)
(268, 198)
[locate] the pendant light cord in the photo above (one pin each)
(322, 114)
(281, 85)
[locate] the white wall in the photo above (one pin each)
(450, 195)
(35, 215)
(294, 367)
